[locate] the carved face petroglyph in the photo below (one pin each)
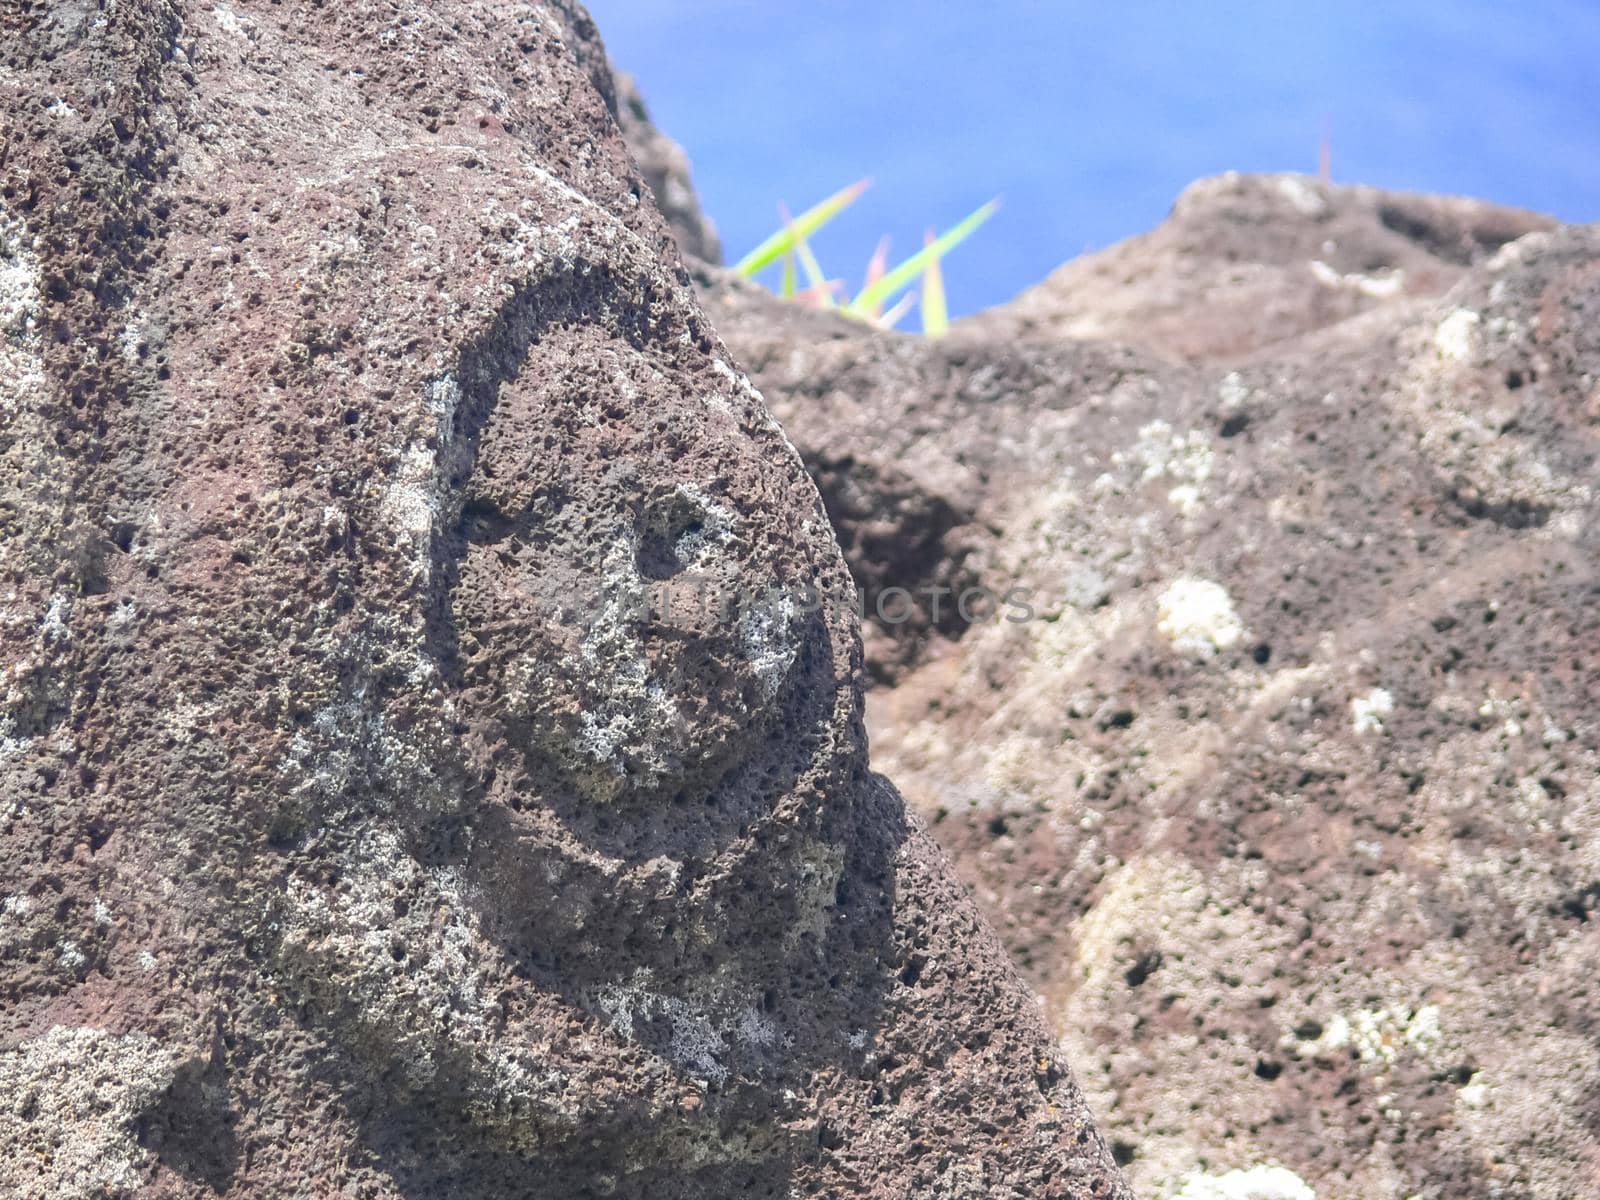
(614, 616)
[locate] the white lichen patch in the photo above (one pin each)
(183, 719)
(232, 23)
(1473, 1094)
(752, 397)
(528, 245)
(1085, 588)
(1533, 1110)
(1232, 392)
(1164, 908)
(712, 528)
(1266, 1182)
(70, 956)
(1422, 1028)
(1185, 498)
(1379, 287)
(122, 618)
(1476, 439)
(1367, 712)
(1145, 894)
(1510, 711)
(756, 1028)
(1377, 1036)
(20, 282)
(414, 499)
(1457, 335)
(1516, 252)
(417, 1000)
(70, 1102)
(1184, 457)
(819, 868)
(129, 339)
(627, 720)
(695, 1044)
(11, 746)
(1308, 201)
(698, 1041)
(55, 626)
(1197, 617)
(767, 632)
(1332, 1039)
(21, 301)
(409, 505)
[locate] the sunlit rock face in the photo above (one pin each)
(1285, 794)
(431, 755)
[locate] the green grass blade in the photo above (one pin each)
(817, 297)
(892, 318)
(788, 289)
(876, 266)
(806, 224)
(935, 313)
(816, 281)
(872, 297)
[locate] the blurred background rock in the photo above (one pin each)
(1089, 119)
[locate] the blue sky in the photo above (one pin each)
(1089, 119)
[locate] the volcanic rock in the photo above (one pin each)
(419, 775)
(665, 168)
(1245, 262)
(1285, 788)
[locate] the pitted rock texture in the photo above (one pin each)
(1245, 262)
(1287, 796)
(417, 777)
(665, 168)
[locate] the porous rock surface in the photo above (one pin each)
(665, 168)
(374, 819)
(1242, 264)
(1287, 795)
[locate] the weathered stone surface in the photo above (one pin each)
(665, 168)
(363, 831)
(1288, 800)
(1244, 263)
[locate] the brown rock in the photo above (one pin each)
(1245, 262)
(665, 168)
(373, 821)
(1286, 798)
